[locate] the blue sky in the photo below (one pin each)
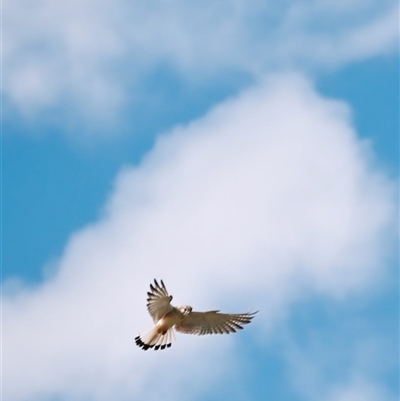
(245, 153)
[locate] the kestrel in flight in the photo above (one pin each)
(166, 317)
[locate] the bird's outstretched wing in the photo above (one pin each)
(158, 301)
(213, 322)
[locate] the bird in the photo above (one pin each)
(167, 317)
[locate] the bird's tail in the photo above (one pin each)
(152, 338)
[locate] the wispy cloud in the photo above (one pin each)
(269, 196)
(347, 356)
(85, 60)
(362, 391)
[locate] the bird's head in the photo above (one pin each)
(185, 309)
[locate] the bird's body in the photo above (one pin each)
(169, 320)
(167, 317)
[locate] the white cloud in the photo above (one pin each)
(88, 58)
(268, 197)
